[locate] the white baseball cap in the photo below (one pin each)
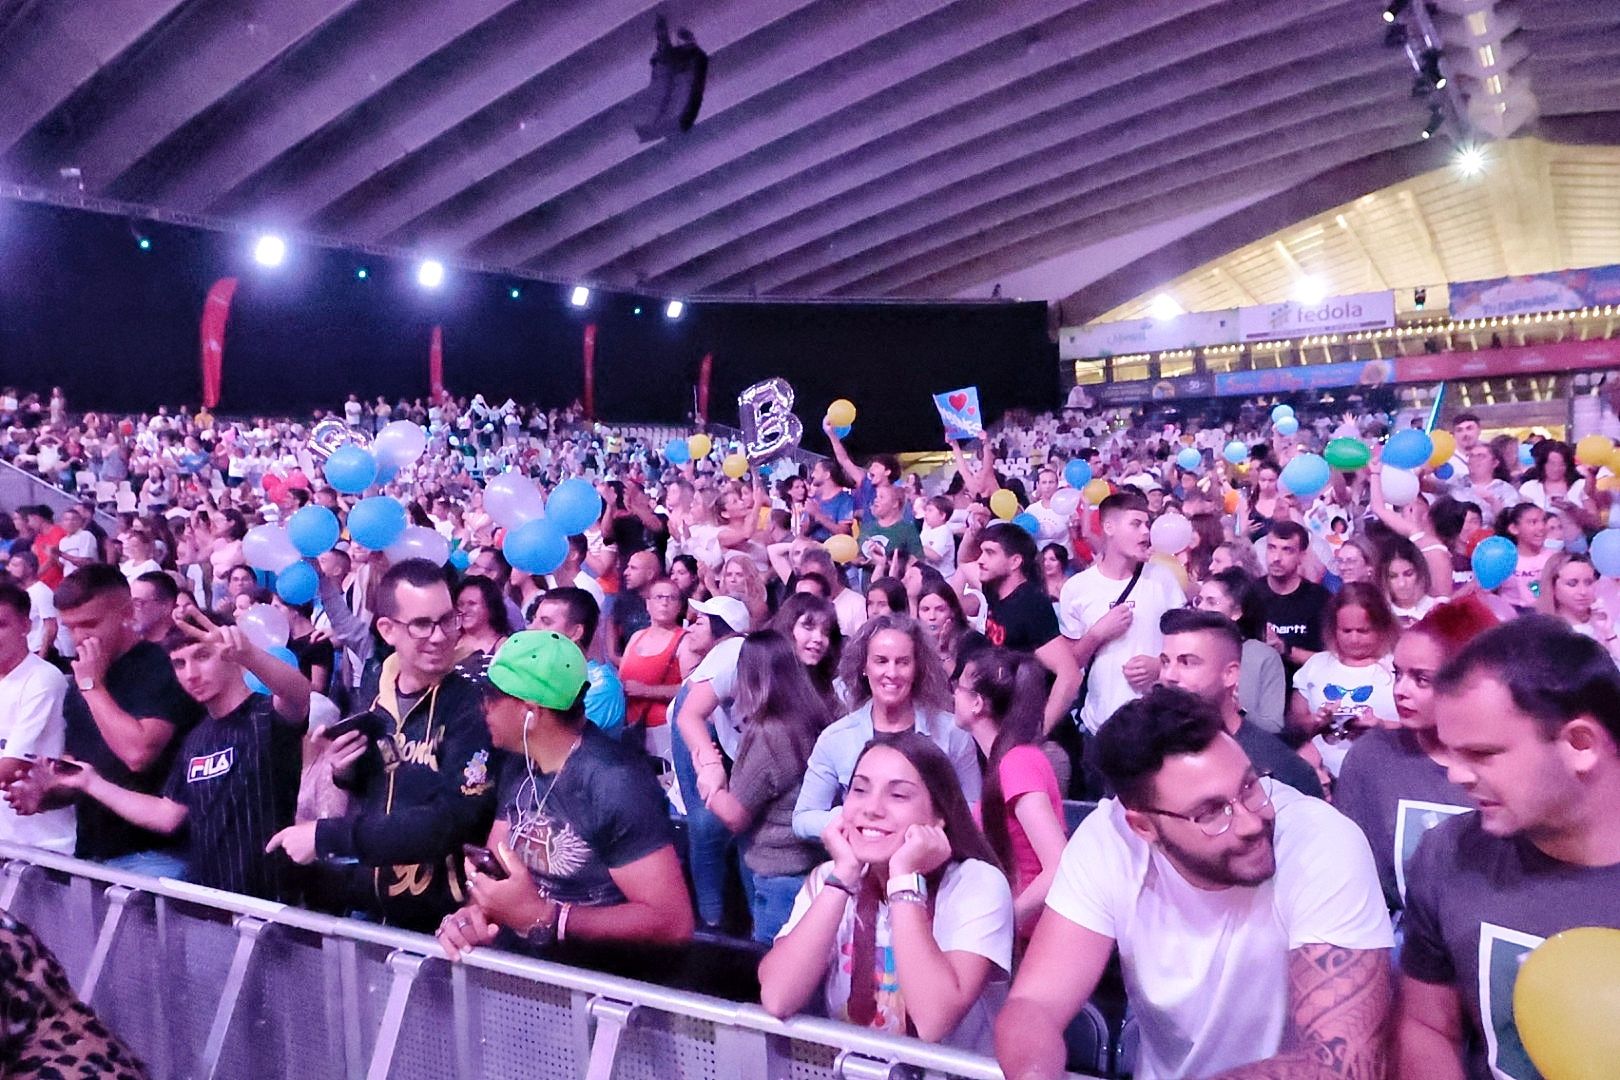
(730, 610)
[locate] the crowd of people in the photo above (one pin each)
(1322, 763)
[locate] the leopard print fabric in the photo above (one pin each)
(46, 1032)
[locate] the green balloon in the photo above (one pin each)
(1347, 454)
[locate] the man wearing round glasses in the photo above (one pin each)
(417, 766)
(1248, 917)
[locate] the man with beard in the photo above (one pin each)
(1529, 715)
(1249, 918)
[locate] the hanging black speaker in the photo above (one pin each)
(675, 95)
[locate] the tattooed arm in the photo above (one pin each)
(1342, 1001)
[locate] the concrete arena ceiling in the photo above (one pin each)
(878, 148)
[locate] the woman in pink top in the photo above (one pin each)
(1000, 699)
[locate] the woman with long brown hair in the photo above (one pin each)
(912, 897)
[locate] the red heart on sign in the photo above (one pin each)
(957, 400)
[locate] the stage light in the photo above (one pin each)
(580, 296)
(1437, 119)
(144, 243)
(270, 250)
(673, 309)
(1429, 68)
(430, 274)
(1393, 9)
(515, 293)
(1164, 308)
(362, 273)
(636, 310)
(1310, 290)
(1471, 160)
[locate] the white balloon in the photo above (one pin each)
(399, 443)
(511, 499)
(266, 547)
(1065, 500)
(1400, 486)
(265, 626)
(419, 542)
(1171, 534)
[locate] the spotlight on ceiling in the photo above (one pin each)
(1393, 9)
(1164, 308)
(515, 293)
(580, 296)
(1471, 160)
(144, 243)
(430, 273)
(1310, 290)
(673, 309)
(362, 273)
(1429, 68)
(269, 250)
(1437, 119)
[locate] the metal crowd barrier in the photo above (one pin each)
(209, 984)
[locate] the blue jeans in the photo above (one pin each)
(771, 903)
(707, 838)
(167, 864)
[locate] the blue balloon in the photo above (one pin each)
(676, 453)
(1526, 458)
(1306, 475)
(312, 530)
(280, 652)
(1495, 559)
(842, 430)
(1287, 425)
(1281, 411)
(1408, 449)
(1605, 553)
(386, 472)
(1027, 522)
(1236, 452)
(1189, 459)
(1077, 473)
(574, 506)
(1444, 472)
(460, 559)
(537, 546)
(298, 583)
(376, 522)
(351, 469)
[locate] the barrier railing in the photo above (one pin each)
(20, 488)
(208, 984)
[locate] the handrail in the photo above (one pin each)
(48, 493)
(722, 1013)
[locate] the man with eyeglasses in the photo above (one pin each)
(1248, 917)
(417, 769)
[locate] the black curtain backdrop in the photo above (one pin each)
(83, 307)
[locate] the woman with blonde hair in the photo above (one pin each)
(1569, 592)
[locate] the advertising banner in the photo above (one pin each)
(1527, 360)
(1194, 329)
(1128, 393)
(1337, 315)
(1562, 290)
(1312, 377)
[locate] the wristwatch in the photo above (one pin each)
(913, 887)
(544, 930)
(85, 684)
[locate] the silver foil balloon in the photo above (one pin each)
(769, 427)
(331, 433)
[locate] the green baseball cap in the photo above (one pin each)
(540, 666)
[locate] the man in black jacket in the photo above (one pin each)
(419, 770)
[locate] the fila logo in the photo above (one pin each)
(210, 766)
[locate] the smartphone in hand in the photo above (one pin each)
(484, 861)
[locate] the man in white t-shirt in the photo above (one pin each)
(42, 624)
(1249, 918)
(31, 725)
(78, 546)
(1120, 641)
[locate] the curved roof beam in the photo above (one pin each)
(54, 49)
(1300, 203)
(853, 84)
(549, 125)
(526, 43)
(371, 44)
(1213, 176)
(1082, 98)
(135, 106)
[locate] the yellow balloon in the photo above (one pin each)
(1095, 492)
(1594, 450)
(1614, 461)
(699, 445)
(841, 412)
(1444, 447)
(1004, 504)
(735, 466)
(1565, 1001)
(842, 548)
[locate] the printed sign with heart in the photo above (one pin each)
(959, 412)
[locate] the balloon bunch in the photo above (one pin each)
(841, 417)
(538, 543)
